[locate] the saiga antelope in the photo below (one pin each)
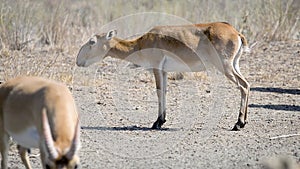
(176, 48)
(39, 113)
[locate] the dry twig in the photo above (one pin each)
(284, 136)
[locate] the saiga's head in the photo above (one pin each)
(95, 49)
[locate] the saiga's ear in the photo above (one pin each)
(111, 34)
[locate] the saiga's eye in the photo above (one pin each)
(92, 42)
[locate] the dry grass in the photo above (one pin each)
(43, 37)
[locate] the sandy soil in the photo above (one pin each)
(118, 104)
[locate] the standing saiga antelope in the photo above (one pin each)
(39, 113)
(176, 48)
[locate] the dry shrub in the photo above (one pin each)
(60, 27)
(17, 24)
(276, 20)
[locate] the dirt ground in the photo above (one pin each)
(118, 105)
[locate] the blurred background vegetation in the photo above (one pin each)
(57, 28)
(66, 23)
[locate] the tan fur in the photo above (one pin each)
(193, 46)
(22, 101)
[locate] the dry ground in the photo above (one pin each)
(118, 105)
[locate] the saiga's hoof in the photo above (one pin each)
(157, 125)
(239, 125)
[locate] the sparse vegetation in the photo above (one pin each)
(37, 37)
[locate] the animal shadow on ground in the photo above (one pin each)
(284, 107)
(126, 128)
(276, 90)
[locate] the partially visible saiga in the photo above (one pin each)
(39, 113)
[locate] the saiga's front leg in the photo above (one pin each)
(4, 145)
(4, 137)
(161, 89)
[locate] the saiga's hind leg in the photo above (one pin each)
(245, 89)
(232, 71)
